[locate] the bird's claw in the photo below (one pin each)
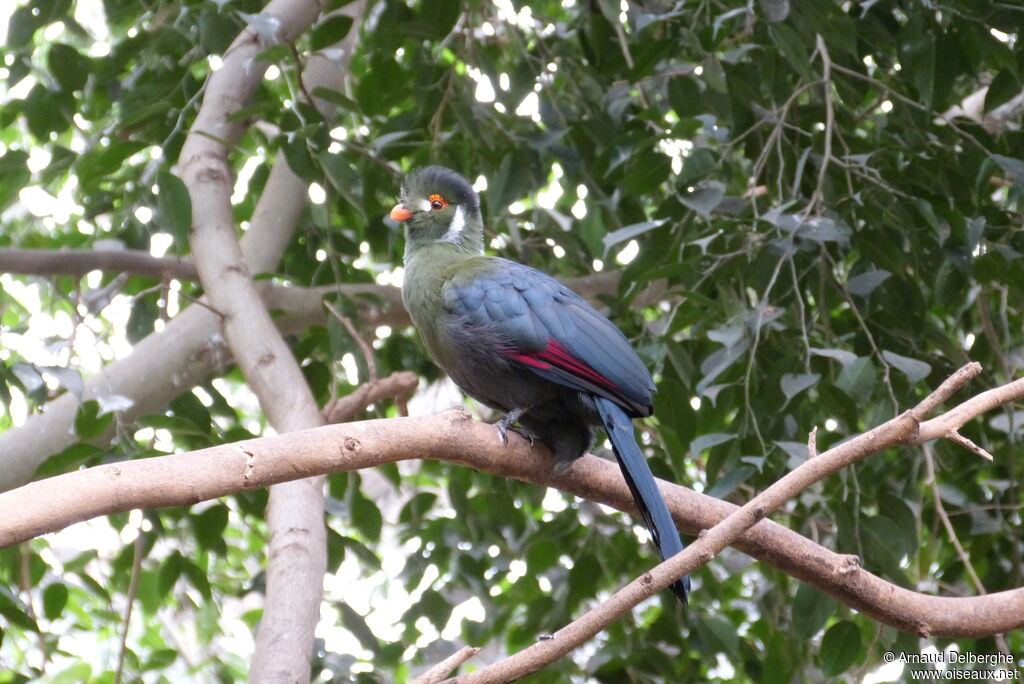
(502, 432)
(506, 424)
(525, 434)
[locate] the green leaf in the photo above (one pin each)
(47, 111)
(774, 10)
(685, 95)
(439, 17)
(366, 517)
(840, 648)
(198, 579)
(699, 162)
(917, 57)
(543, 555)
(797, 451)
(417, 507)
(14, 175)
(216, 31)
(69, 67)
(55, 597)
(709, 440)
(13, 610)
(841, 355)
(629, 232)
(329, 31)
(1013, 167)
(209, 527)
(714, 75)
(97, 163)
(865, 283)
(896, 510)
(704, 197)
(811, 610)
(335, 97)
(356, 624)
(882, 539)
(722, 632)
(793, 384)
(858, 379)
(73, 456)
(170, 570)
(67, 378)
(174, 207)
(914, 370)
(176, 424)
(22, 26)
(1004, 86)
(793, 47)
(733, 478)
(90, 423)
(148, 592)
(299, 159)
(79, 672)
(646, 171)
(817, 229)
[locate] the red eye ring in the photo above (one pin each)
(437, 202)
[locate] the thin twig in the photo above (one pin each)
(830, 121)
(371, 364)
(947, 388)
(400, 386)
(908, 101)
(444, 668)
(956, 437)
(940, 510)
(133, 590)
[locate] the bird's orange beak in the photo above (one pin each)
(400, 213)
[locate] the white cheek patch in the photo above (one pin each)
(455, 229)
(424, 205)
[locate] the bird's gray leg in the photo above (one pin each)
(505, 424)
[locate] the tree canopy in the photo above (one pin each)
(804, 216)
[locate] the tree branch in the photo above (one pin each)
(297, 551)
(78, 262)
(185, 479)
(399, 386)
(899, 430)
(438, 672)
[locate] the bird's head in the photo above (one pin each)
(439, 206)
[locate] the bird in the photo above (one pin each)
(519, 341)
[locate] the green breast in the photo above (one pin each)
(427, 271)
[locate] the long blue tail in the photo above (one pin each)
(641, 484)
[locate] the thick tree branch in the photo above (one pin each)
(186, 479)
(78, 262)
(298, 547)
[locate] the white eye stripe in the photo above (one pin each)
(455, 229)
(424, 205)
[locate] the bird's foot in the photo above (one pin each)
(526, 434)
(506, 423)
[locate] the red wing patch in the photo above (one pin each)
(555, 355)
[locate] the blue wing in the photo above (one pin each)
(551, 330)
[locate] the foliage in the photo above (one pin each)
(830, 248)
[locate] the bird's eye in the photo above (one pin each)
(437, 202)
